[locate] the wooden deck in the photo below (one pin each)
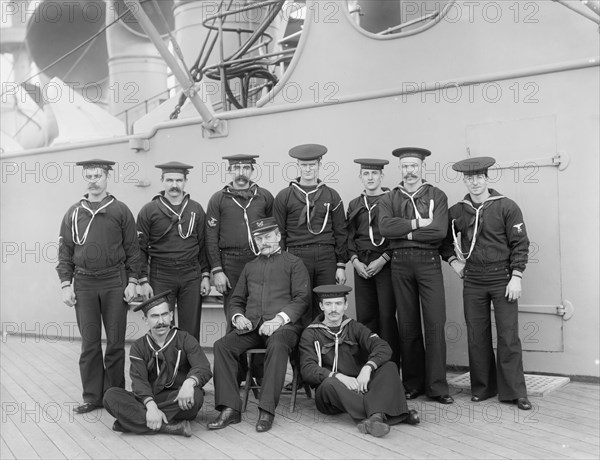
(40, 385)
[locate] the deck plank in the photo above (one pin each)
(43, 376)
(69, 424)
(82, 427)
(5, 452)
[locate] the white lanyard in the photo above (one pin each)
(335, 355)
(75, 228)
(461, 255)
(192, 219)
(327, 205)
(336, 349)
(369, 209)
(255, 250)
(156, 352)
(318, 350)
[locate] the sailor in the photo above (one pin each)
(370, 257)
(487, 246)
(98, 263)
(230, 210)
(351, 368)
(171, 231)
(311, 217)
(168, 370)
(229, 242)
(268, 304)
(414, 218)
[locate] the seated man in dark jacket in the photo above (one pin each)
(268, 306)
(168, 370)
(351, 368)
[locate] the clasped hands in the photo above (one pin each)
(368, 271)
(359, 384)
(267, 328)
(185, 399)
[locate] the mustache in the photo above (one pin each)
(174, 189)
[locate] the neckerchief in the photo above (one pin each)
(74, 217)
(162, 379)
(249, 195)
(244, 193)
(177, 216)
(337, 338)
(418, 201)
(474, 224)
(309, 209)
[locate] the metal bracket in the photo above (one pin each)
(562, 160)
(139, 144)
(215, 128)
(566, 310)
(143, 183)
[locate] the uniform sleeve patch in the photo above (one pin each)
(519, 227)
(212, 222)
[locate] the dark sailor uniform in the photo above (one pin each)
(418, 284)
(267, 286)
(228, 240)
(495, 245)
(374, 297)
(157, 373)
(172, 243)
(346, 349)
(99, 254)
(313, 227)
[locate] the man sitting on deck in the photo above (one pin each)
(351, 367)
(168, 370)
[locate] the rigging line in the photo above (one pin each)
(81, 45)
(77, 61)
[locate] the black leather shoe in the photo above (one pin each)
(86, 407)
(476, 398)
(443, 399)
(412, 418)
(118, 427)
(412, 394)
(228, 416)
(523, 403)
(287, 388)
(265, 421)
(182, 428)
(374, 425)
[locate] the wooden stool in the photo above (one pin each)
(251, 385)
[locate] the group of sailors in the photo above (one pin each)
(280, 263)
